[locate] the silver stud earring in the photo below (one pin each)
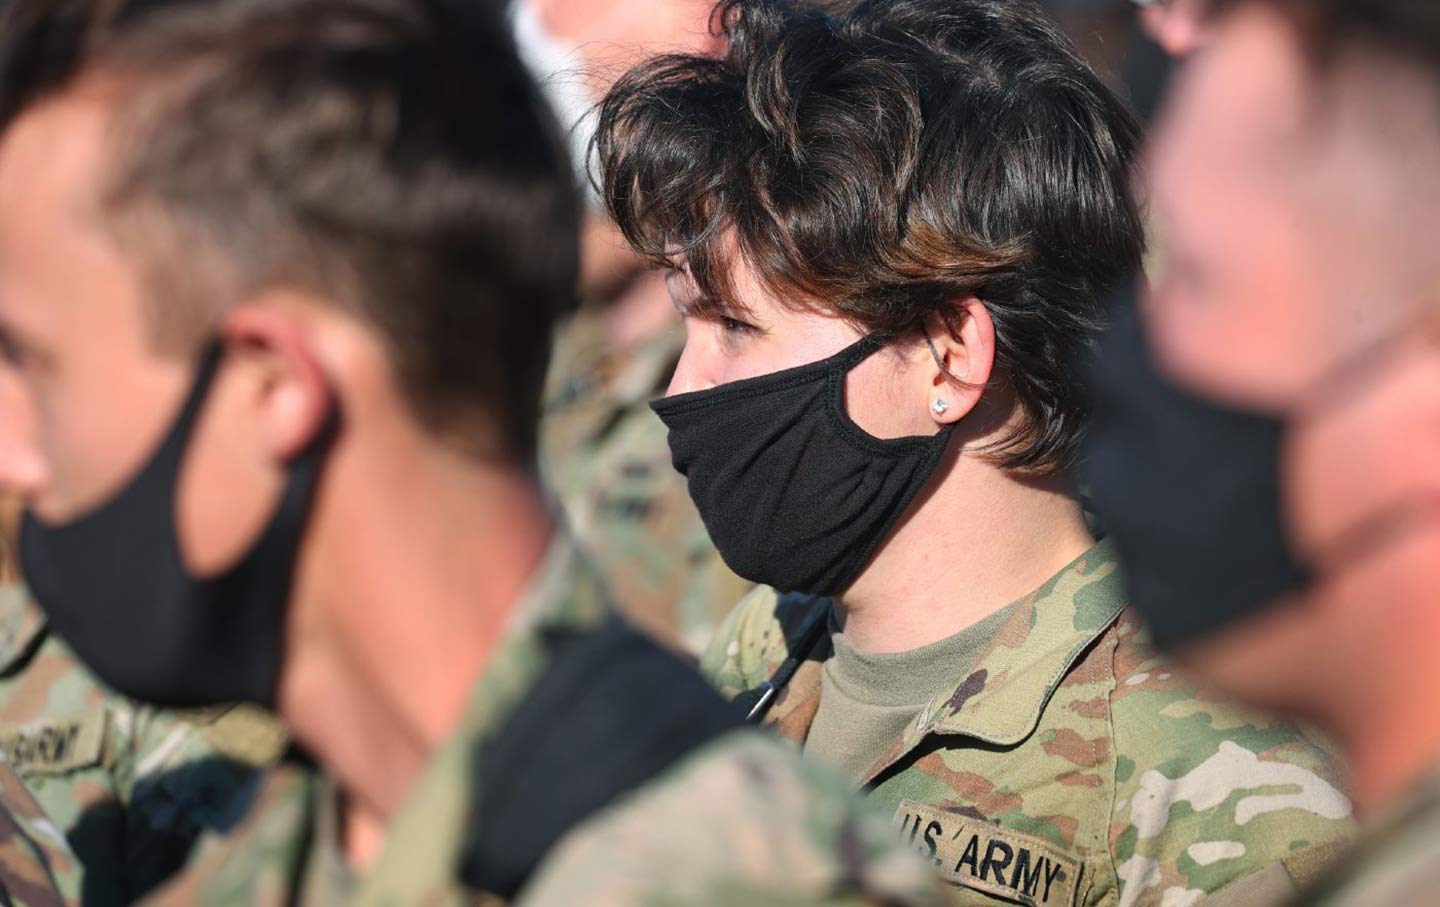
(939, 407)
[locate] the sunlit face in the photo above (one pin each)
(86, 397)
(769, 337)
(1281, 244)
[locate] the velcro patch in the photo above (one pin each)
(975, 854)
(55, 747)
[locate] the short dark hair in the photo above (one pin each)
(1410, 28)
(882, 159)
(391, 156)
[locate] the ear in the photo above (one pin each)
(961, 341)
(282, 375)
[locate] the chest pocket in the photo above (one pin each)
(55, 746)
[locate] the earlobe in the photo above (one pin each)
(961, 342)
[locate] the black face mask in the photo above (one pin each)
(1190, 492)
(115, 588)
(794, 494)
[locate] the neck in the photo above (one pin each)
(408, 579)
(1386, 723)
(974, 543)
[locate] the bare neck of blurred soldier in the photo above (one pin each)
(978, 538)
(416, 557)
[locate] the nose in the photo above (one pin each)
(690, 372)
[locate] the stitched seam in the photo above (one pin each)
(859, 437)
(1114, 763)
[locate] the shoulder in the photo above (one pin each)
(1209, 791)
(757, 637)
(1395, 864)
(742, 820)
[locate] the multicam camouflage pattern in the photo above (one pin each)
(37, 867)
(1072, 746)
(9, 534)
(605, 456)
(742, 821)
(131, 787)
(1395, 864)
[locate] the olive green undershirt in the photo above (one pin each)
(866, 700)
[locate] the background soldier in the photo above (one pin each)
(602, 451)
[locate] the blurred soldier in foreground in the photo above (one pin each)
(132, 787)
(1268, 463)
(278, 279)
(602, 451)
(889, 231)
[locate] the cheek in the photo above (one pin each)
(1251, 335)
(881, 398)
(711, 359)
(228, 490)
(97, 416)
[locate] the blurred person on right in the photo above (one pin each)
(1266, 453)
(889, 229)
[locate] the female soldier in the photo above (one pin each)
(888, 229)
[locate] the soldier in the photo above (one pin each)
(1275, 438)
(888, 231)
(602, 451)
(279, 281)
(132, 787)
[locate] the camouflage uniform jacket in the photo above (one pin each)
(37, 867)
(741, 821)
(1396, 863)
(132, 787)
(1071, 765)
(605, 456)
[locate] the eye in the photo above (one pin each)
(736, 326)
(10, 351)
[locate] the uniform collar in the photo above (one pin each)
(1000, 700)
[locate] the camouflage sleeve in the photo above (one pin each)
(744, 822)
(182, 775)
(1208, 793)
(37, 867)
(259, 860)
(737, 659)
